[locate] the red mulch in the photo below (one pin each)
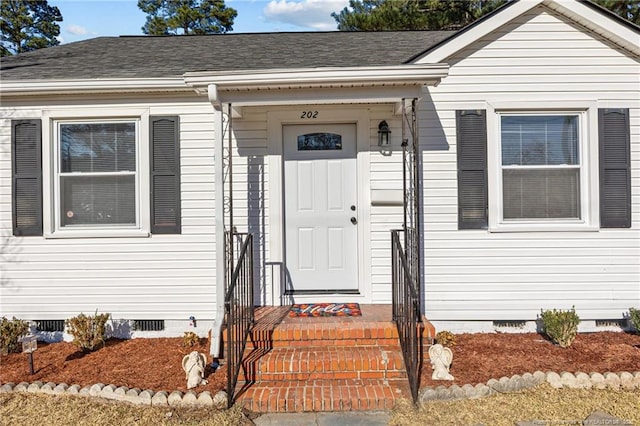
(480, 357)
(156, 363)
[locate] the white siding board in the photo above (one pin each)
(128, 277)
(477, 275)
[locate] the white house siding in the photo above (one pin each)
(476, 275)
(170, 277)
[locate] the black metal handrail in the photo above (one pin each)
(239, 309)
(406, 303)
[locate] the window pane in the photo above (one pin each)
(541, 194)
(319, 142)
(98, 200)
(539, 140)
(97, 147)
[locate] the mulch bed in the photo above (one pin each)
(156, 363)
(480, 357)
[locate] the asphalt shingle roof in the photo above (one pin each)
(171, 56)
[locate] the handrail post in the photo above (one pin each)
(239, 309)
(406, 311)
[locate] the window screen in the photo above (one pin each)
(97, 173)
(540, 167)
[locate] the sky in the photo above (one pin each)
(83, 19)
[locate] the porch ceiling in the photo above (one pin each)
(316, 85)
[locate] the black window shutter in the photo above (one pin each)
(165, 175)
(26, 177)
(615, 168)
(471, 130)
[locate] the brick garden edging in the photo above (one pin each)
(622, 380)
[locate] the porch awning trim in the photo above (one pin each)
(255, 87)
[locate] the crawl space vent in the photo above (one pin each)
(148, 325)
(611, 323)
(50, 325)
(509, 323)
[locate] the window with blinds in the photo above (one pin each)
(97, 174)
(540, 167)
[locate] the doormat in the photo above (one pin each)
(325, 310)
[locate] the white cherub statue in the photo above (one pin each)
(441, 358)
(193, 365)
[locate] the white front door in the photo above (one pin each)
(321, 211)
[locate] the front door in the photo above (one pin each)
(321, 212)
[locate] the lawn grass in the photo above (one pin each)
(57, 410)
(556, 406)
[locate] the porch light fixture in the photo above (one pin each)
(383, 133)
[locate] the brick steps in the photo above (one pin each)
(323, 364)
(314, 362)
(323, 395)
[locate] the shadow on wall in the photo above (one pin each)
(9, 252)
(256, 224)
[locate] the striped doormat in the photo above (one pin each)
(325, 310)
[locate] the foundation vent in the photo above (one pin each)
(509, 323)
(621, 323)
(148, 325)
(49, 325)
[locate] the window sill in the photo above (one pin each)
(98, 233)
(543, 227)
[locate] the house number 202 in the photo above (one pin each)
(309, 114)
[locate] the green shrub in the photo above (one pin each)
(88, 331)
(10, 332)
(446, 339)
(634, 317)
(560, 326)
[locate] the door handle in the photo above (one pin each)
(354, 220)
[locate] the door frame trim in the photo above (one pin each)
(327, 114)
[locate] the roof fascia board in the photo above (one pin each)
(317, 77)
(626, 36)
(54, 87)
(590, 17)
(465, 38)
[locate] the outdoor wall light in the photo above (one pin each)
(383, 133)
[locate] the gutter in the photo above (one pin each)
(66, 87)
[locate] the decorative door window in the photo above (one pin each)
(320, 142)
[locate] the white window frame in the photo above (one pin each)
(51, 172)
(588, 160)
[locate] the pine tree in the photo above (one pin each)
(383, 15)
(183, 17)
(27, 25)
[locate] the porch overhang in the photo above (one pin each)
(382, 84)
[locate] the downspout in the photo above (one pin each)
(218, 152)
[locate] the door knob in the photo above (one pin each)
(354, 220)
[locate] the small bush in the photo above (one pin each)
(560, 326)
(634, 317)
(190, 339)
(10, 332)
(446, 338)
(88, 331)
